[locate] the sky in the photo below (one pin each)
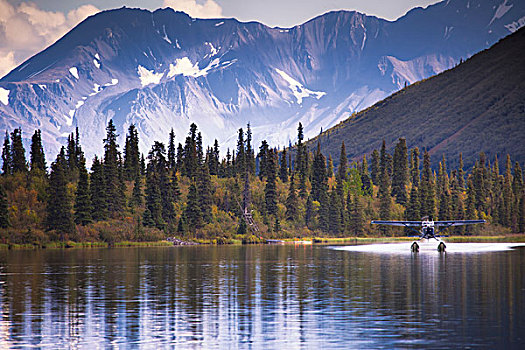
(28, 27)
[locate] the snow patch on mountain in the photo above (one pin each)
(74, 72)
(186, 68)
(514, 26)
(501, 11)
(148, 76)
(4, 96)
(298, 90)
(213, 50)
(165, 37)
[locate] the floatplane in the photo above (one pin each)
(429, 239)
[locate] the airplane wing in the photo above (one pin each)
(396, 223)
(458, 222)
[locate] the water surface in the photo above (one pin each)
(261, 297)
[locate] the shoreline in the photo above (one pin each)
(510, 238)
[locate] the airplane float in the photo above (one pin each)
(427, 233)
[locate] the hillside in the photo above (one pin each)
(477, 106)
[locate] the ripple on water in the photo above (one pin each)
(404, 248)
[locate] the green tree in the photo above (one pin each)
(7, 161)
(400, 172)
(341, 172)
(291, 201)
(98, 191)
(283, 170)
(136, 196)
(427, 189)
(334, 213)
(365, 178)
(414, 168)
(18, 153)
(193, 212)
(319, 176)
(59, 208)
(114, 195)
(240, 164)
(83, 207)
(250, 153)
(132, 154)
(38, 159)
(172, 152)
(270, 191)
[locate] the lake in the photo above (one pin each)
(265, 296)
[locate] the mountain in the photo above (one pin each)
(478, 106)
(163, 69)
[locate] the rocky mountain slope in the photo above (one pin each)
(163, 69)
(477, 106)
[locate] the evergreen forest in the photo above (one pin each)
(187, 191)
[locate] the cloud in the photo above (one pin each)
(26, 30)
(206, 9)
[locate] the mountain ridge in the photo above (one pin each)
(164, 69)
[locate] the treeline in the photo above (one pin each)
(191, 192)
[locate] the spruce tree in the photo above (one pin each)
(250, 153)
(131, 154)
(427, 189)
(461, 173)
(341, 172)
(193, 212)
(71, 156)
(18, 153)
(172, 152)
(291, 202)
(324, 211)
(357, 217)
(98, 191)
(471, 212)
(83, 207)
(240, 164)
(136, 196)
(59, 215)
(4, 209)
(334, 213)
(283, 170)
(319, 177)
(400, 172)
(114, 195)
(263, 159)
(38, 159)
(365, 178)
(414, 170)
(7, 161)
(412, 211)
(277, 225)
(154, 203)
(270, 191)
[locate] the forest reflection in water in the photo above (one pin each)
(260, 297)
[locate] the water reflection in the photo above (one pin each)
(260, 297)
